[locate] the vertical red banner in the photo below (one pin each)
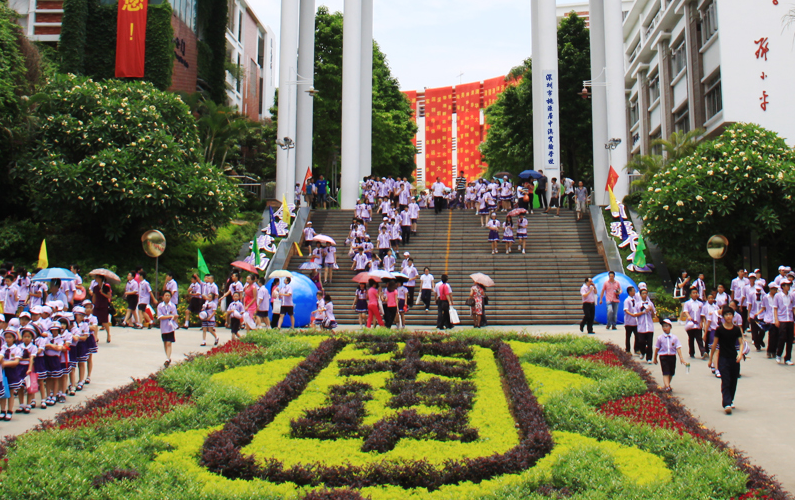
(468, 130)
(411, 95)
(492, 88)
(438, 135)
(131, 38)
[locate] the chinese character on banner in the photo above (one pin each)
(552, 122)
(763, 48)
(763, 75)
(764, 101)
(775, 2)
(133, 5)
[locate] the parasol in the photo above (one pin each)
(309, 266)
(281, 273)
(482, 279)
(365, 277)
(245, 266)
(54, 273)
(401, 277)
(384, 275)
(500, 175)
(527, 174)
(322, 238)
(517, 211)
(110, 276)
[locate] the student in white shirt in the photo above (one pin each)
(329, 262)
(167, 314)
(426, 287)
(286, 293)
(438, 195)
(691, 310)
(630, 320)
(309, 237)
(410, 271)
(414, 213)
(493, 225)
(263, 303)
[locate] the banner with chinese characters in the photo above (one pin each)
(131, 38)
(551, 166)
(492, 88)
(438, 135)
(468, 129)
(411, 95)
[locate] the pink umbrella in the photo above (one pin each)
(517, 211)
(325, 239)
(365, 277)
(245, 266)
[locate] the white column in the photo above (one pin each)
(616, 100)
(366, 160)
(350, 149)
(306, 72)
(598, 99)
(546, 132)
(285, 158)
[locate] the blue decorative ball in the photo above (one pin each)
(304, 299)
(601, 309)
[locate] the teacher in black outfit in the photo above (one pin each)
(726, 337)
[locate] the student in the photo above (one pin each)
(11, 355)
(360, 303)
(388, 262)
(39, 366)
(646, 323)
(52, 359)
(309, 237)
(286, 293)
(208, 318)
(195, 301)
(581, 195)
(426, 288)
(391, 308)
(409, 270)
(444, 296)
(360, 261)
(521, 232)
(769, 319)
(373, 305)
(171, 285)
(554, 200)
(131, 297)
(383, 242)
(710, 317)
(631, 318)
(721, 297)
(66, 368)
(405, 225)
(102, 294)
(234, 286)
(484, 209)
(318, 315)
(588, 294)
(691, 310)
(726, 337)
(414, 214)
(402, 296)
(493, 225)
(167, 314)
(783, 319)
(78, 355)
(91, 342)
(330, 322)
(209, 287)
(507, 234)
(234, 313)
(702, 288)
(263, 302)
(144, 299)
(11, 298)
(666, 349)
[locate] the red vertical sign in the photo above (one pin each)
(438, 135)
(131, 38)
(468, 122)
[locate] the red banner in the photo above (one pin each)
(468, 128)
(438, 135)
(131, 38)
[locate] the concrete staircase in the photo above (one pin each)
(540, 287)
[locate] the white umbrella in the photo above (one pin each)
(482, 279)
(281, 273)
(384, 275)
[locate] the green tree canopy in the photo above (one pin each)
(509, 144)
(739, 183)
(112, 158)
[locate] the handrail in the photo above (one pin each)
(294, 236)
(612, 255)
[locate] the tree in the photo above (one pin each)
(509, 144)
(741, 183)
(678, 146)
(113, 158)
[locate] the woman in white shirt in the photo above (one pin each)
(426, 280)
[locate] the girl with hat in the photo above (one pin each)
(665, 351)
(91, 341)
(28, 354)
(11, 355)
(78, 355)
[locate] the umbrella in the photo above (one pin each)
(54, 273)
(281, 273)
(110, 276)
(527, 174)
(309, 265)
(384, 275)
(245, 266)
(325, 239)
(500, 175)
(482, 279)
(517, 211)
(401, 277)
(365, 277)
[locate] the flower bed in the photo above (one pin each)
(386, 416)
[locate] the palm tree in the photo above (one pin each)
(220, 128)
(679, 145)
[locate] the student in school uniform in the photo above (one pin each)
(234, 286)
(630, 318)
(426, 287)
(11, 355)
(395, 233)
(384, 244)
(691, 310)
(195, 300)
(330, 321)
(131, 297)
(728, 363)
(11, 298)
(39, 366)
(752, 300)
(286, 293)
(507, 234)
(360, 303)
(783, 318)
(388, 262)
(646, 322)
(234, 315)
(521, 232)
(405, 225)
(360, 261)
(721, 297)
(171, 285)
(554, 199)
(702, 287)
(52, 359)
(666, 349)
(208, 318)
(263, 303)
(91, 341)
(402, 296)
(167, 314)
(493, 225)
(769, 319)
(409, 270)
(414, 214)
(309, 237)
(78, 354)
(710, 317)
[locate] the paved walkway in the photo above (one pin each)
(759, 425)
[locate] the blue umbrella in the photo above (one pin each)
(53, 273)
(530, 173)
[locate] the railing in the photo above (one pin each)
(282, 255)
(635, 53)
(654, 21)
(605, 241)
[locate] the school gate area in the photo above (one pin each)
(540, 287)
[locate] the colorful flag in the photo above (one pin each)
(43, 262)
(613, 202)
(640, 256)
(298, 249)
(201, 265)
(131, 38)
(256, 254)
(285, 210)
(612, 179)
(274, 233)
(624, 234)
(306, 179)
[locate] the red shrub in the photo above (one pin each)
(645, 408)
(147, 400)
(234, 347)
(606, 357)
(753, 495)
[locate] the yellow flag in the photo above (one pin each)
(43, 262)
(298, 249)
(613, 201)
(285, 210)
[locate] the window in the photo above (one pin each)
(678, 59)
(240, 26)
(682, 120)
(709, 22)
(713, 97)
(634, 116)
(656, 149)
(239, 75)
(260, 50)
(231, 16)
(654, 89)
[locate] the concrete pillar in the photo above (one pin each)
(350, 148)
(616, 100)
(546, 131)
(598, 99)
(366, 141)
(306, 74)
(288, 59)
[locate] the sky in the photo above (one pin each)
(429, 43)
